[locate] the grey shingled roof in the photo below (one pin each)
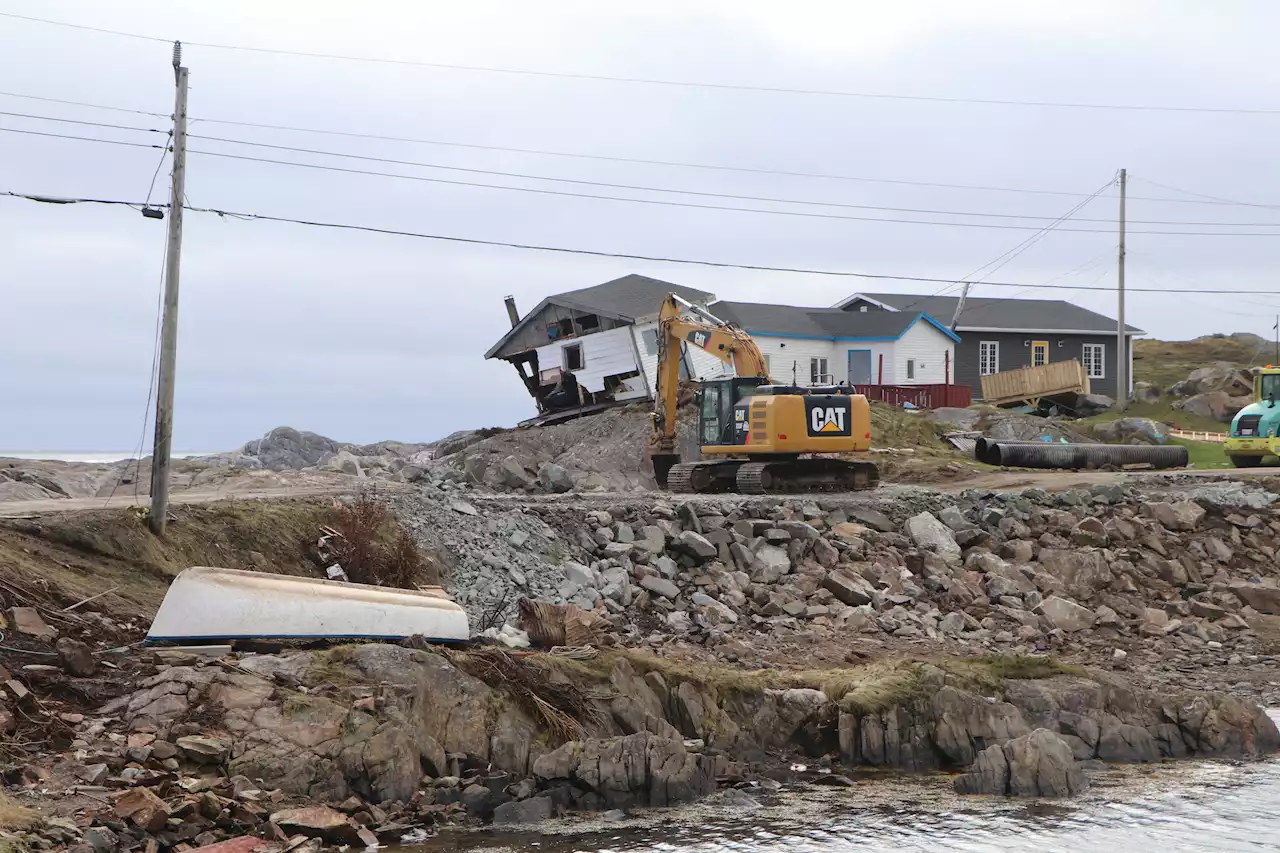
(623, 298)
(761, 318)
(628, 297)
(1016, 315)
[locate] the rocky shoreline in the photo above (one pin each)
(377, 743)
(1017, 641)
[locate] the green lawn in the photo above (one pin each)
(1161, 412)
(1203, 454)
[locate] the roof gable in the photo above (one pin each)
(1000, 313)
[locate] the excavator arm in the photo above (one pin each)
(724, 340)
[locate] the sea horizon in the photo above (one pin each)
(90, 455)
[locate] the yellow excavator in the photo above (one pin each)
(761, 437)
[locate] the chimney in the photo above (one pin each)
(511, 311)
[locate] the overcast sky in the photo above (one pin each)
(363, 337)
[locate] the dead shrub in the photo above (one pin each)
(375, 549)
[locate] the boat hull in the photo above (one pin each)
(207, 604)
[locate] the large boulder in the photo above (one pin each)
(930, 534)
(1217, 405)
(1183, 515)
(1083, 571)
(555, 478)
(1262, 598)
(637, 770)
(1065, 614)
(288, 448)
(1087, 405)
(1130, 431)
(1145, 392)
(1039, 764)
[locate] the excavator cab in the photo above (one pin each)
(721, 418)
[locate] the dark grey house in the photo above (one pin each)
(998, 334)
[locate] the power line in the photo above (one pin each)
(82, 104)
(343, 226)
(805, 214)
(679, 163)
(1005, 257)
(80, 138)
(643, 188)
(646, 161)
(82, 122)
(49, 199)
(653, 81)
(562, 193)
(1213, 199)
(649, 201)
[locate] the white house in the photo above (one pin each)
(827, 346)
(598, 345)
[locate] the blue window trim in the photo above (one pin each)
(932, 322)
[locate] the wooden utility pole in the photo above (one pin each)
(163, 446)
(1122, 348)
(955, 318)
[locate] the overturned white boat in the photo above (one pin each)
(206, 604)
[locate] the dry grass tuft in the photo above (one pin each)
(562, 706)
(375, 549)
(14, 816)
(331, 666)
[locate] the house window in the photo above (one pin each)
(572, 357)
(911, 368)
(988, 358)
(818, 371)
(650, 338)
(1039, 353)
(862, 308)
(1094, 360)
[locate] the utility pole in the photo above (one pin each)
(955, 318)
(1277, 330)
(1122, 348)
(163, 446)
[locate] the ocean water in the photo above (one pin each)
(89, 455)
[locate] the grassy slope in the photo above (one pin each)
(1163, 363)
(60, 559)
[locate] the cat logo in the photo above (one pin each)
(700, 338)
(829, 420)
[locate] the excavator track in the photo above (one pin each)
(703, 477)
(806, 475)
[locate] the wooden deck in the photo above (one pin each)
(1030, 385)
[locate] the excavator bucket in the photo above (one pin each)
(662, 465)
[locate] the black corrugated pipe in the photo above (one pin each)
(1047, 455)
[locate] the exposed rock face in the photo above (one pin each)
(286, 447)
(636, 770)
(1039, 764)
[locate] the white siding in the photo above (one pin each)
(603, 354)
(930, 349)
(784, 352)
(703, 364)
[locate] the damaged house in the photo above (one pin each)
(589, 348)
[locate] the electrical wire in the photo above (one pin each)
(769, 199)
(1213, 199)
(80, 138)
(159, 166)
(664, 202)
(991, 267)
(79, 121)
(82, 104)
(344, 226)
(661, 259)
(643, 161)
(48, 199)
(653, 81)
